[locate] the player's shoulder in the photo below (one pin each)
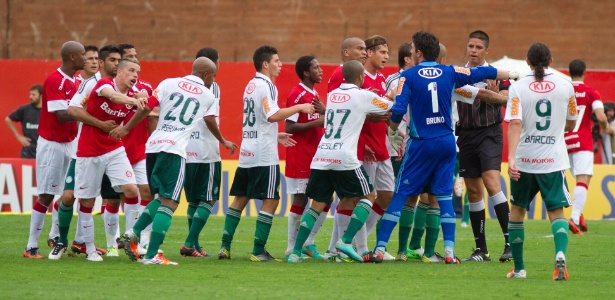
(393, 77)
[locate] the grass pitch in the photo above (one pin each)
(589, 259)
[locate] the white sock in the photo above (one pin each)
(334, 235)
(497, 198)
(37, 222)
(111, 227)
(372, 221)
(580, 197)
(55, 227)
(321, 219)
(86, 222)
(293, 227)
(342, 225)
(145, 235)
(78, 230)
(132, 214)
(360, 240)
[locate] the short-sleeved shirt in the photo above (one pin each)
(203, 146)
(588, 99)
(81, 98)
(58, 89)
(543, 108)
(135, 140)
(299, 157)
(374, 134)
(28, 115)
(259, 146)
(346, 109)
(93, 141)
(336, 79)
(183, 102)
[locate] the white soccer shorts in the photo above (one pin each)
(52, 160)
(296, 185)
(140, 172)
(581, 163)
(89, 172)
(381, 175)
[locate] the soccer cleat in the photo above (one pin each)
(401, 256)
(478, 255)
(464, 225)
(435, 258)
(57, 251)
(561, 272)
(416, 253)
(348, 249)
(506, 255)
(371, 257)
(341, 257)
(311, 251)
(32, 253)
(79, 248)
(112, 251)
(192, 252)
(294, 258)
(51, 242)
(263, 257)
(203, 252)
(582, 224)
(120, 243)
(452, 261)
(388, 257)
(159, 259)
(94, 256)
(330, 256)
(224, 253)
(512, 274)
(574, 228)
(131, 245)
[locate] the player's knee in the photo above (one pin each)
(130, 190)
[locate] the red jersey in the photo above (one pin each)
(58, 89)
(580, 138)
(374, 134)
(299, 157)
(336, 79)
(135, 140)
(93, 141)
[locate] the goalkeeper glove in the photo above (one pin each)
(395, 139)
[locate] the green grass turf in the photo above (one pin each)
(590, 264)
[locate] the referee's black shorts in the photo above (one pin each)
(480, 150)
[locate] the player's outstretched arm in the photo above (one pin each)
(121, 131)
(80, 114)
(285, 139)
(120, 98)
(491, 97)
(210, 122)
(295, 127)
(284, 113)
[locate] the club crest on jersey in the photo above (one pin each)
(430, 73)
(339, 98)
(250, 88)
(189, 87)
(542, 86)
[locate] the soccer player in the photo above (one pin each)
(430, 153)
(258, 173)
(28, 115)
(336, 167)
(480, 154)
(307, 131)
(108, 61)
(56, 133)
(91, 62)
(203, 168)
(580, 143)
(99, 153)
(540, 107)
(166, 153)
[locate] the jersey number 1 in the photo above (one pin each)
(433, 88)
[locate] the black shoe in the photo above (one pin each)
(51, 242)
(120, 243)
(506, 255)
(478, 255)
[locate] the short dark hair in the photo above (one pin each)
(539, 56)
(402, 53)
(106, 50)
(481, 35)
(210, 53)
(427, 43)
(37, 87)
(90, 48)
(263, 54)
(372, 42)
(123, 47)
(303, 64)
(576, 68)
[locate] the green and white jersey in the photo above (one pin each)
(183, 102)
(203, 146)
(259, 146)
(543, 108)
(346, 109)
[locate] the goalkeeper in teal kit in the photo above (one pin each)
(429, 161)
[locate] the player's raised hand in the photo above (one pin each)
(230, 146)
(285, 139)
(493, 85)
(140, 102)
(306, 108)
(108, 125)
(319, 107)
(395, 139)
(513, 172)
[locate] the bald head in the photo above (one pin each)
(442, 56)
(353, 72)
(204, 68)
(353, 48)
(71, 47)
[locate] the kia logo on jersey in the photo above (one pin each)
(339, 98)
(189, 87)
(542, 86)
(430, 73)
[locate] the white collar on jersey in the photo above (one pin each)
(261, 75)
(195, 79)
(370, 75)
(66, 76)
(307, 88)
(346, 86)
(485, 64)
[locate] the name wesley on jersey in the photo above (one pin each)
(171, 128)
